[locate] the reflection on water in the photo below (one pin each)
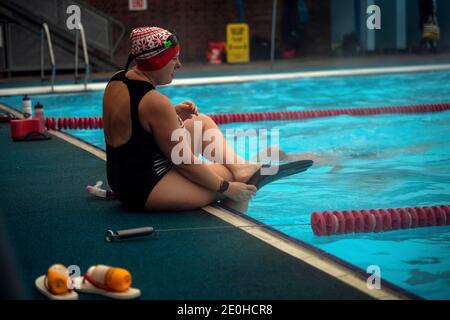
(418, 277)
(424, 260)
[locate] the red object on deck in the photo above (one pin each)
(215, 52)
(377, 220)
(5, 118)
(27, 129)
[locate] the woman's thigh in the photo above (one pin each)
(176, 192)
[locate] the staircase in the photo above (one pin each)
(22, 35)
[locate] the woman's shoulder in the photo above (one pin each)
(118, 76)
(155, 106)
(154, 98)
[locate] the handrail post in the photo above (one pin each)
(76, 55)
(85, 54)
(42, 54)
(46, 33)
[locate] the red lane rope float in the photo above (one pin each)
(97, 123)
(328, 223)
(295, 115)
(74, 123)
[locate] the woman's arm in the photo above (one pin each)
(159, 114)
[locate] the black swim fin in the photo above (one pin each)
(284, 170)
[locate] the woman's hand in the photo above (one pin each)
(186, 109)
(238, 191)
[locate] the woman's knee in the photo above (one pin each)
(206, 119)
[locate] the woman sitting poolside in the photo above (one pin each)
(138, 124)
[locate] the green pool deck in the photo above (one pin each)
(49, 218)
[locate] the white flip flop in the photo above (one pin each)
(82, 285)
(42, 288)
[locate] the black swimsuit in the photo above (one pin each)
(134, 169)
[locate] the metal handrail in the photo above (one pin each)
(100, 50)
(112, 20)
(85, 54)
(46, 33)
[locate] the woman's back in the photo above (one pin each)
(134, 162)
(116, 114)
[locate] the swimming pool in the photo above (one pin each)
(371, 162)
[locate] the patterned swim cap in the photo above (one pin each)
(162, 44)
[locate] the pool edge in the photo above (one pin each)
(326, 262)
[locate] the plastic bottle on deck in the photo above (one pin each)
(39, 110)
(39, 114)
(26, 104)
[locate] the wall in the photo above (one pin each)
(386, 38)
(400, 26)
(443, 13)
(413, 28)
(200, 21)
(342, 19)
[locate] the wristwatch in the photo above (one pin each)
(224, 186)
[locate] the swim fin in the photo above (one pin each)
(284, 170)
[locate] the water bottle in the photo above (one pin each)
(26, 104)
(39, 111)
(39, 114)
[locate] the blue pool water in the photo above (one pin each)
(379, 161)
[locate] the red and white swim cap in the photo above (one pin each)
(147, 38)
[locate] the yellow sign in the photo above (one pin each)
(238, 48)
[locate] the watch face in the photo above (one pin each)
(224, 186)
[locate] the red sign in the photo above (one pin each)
(137, 5)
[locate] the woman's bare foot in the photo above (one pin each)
(243, 172)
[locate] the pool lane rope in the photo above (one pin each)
(97, 122)
(74, 123)
(329, 223)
